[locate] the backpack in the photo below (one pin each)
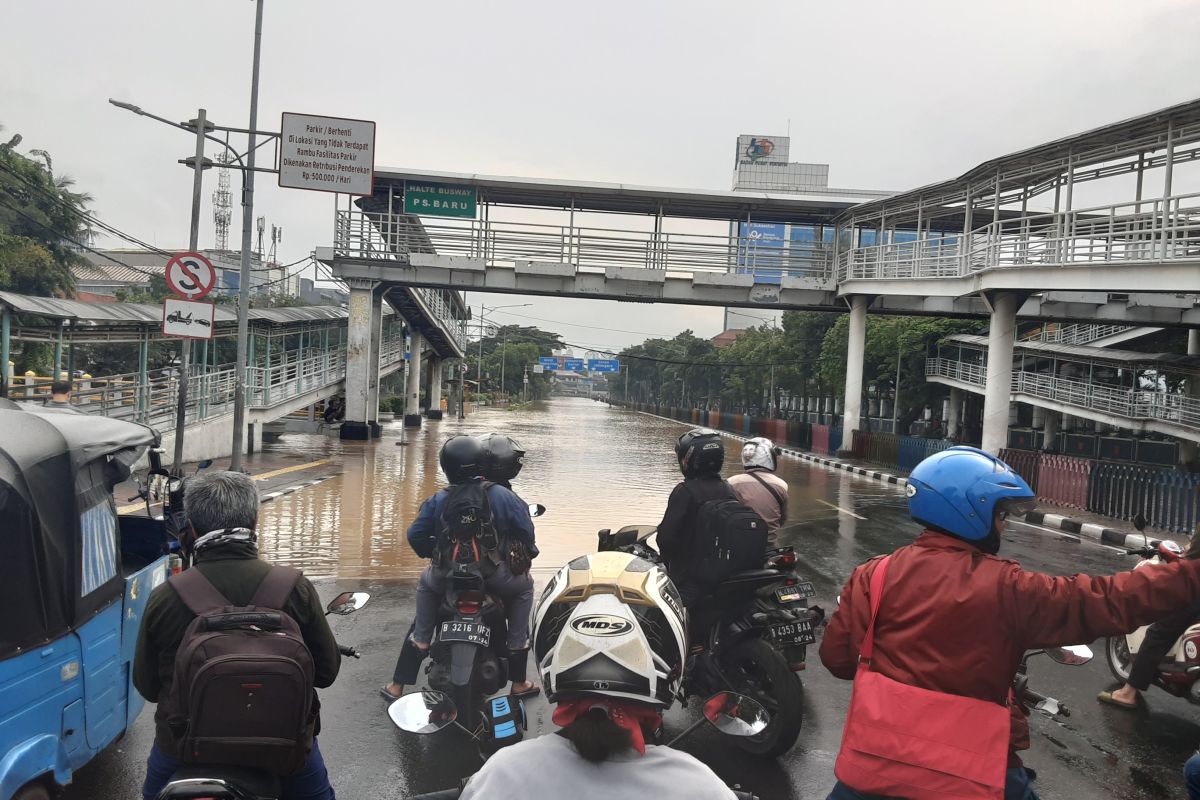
(467, 534)
(729, 538)
(243, 688)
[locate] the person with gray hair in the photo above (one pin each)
(222, 513)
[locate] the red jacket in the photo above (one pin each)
(955, 619)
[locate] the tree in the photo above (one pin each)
(507, 353)
(39, 214)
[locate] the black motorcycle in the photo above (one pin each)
(749, 636)
(468, 657)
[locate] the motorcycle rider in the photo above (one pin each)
(462, 459)
(955, 618)
(701, 454)
(222, 511)
(1160, 638)
(759, 487)
(610, 690)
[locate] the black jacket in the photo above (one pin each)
(678, 526)
(235, 570)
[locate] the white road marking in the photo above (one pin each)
(839, 508)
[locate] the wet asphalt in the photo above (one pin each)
(347, 534)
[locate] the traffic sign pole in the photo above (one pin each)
(185, 350)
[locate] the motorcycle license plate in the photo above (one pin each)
(789, 634)
(473, 632)
(794, 594)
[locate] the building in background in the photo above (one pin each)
(771, 250)
(114, 270)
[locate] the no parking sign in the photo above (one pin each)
(190, 275)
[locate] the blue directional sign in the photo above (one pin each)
(548, 362)
(603, 365)
(573, 364)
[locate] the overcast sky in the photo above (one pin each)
(891, 95)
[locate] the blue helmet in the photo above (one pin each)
(960, 489)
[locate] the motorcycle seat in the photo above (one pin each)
(751, 578)
(256, 784)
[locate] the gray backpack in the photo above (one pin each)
(243, 686)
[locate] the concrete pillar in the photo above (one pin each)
(1001, 332)
(435, 389)
(954, 415)
(1039, 417)
(855, 351)
(358, 362)
(1053, 419)
(412, 404)
(373, 374)
(1189, 452)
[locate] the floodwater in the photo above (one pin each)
(592, 466)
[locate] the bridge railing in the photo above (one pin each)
(1081, 333)
(357, 235)
(1134, 404)
(1165, 229)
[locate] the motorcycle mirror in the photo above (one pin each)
(347, 603)
(1140, 522)
(735, 714)
(423, 712)
(536, 509)
(1073, 654)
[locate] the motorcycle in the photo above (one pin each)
(226, 782)
(468, 657)
(750, 636)
(1179, 673)
(1073, 655)
(428, 712)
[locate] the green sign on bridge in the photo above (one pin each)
(439, 199)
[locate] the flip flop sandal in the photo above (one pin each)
(532, 691)
(1107, 697)
(386, 695)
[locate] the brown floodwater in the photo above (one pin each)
(591, 465)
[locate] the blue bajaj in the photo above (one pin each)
(74, 581)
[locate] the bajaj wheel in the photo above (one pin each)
(758, 670)
(1120, 661)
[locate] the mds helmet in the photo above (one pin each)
(760, 453)
(461, 458)
(700, 451)
(502, 457)
(961, 489)
(611, 624)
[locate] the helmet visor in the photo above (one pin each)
(1015, 506)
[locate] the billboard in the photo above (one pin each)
(756, 149)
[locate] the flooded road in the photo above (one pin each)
(595, 467)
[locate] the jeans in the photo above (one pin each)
(1160, 638)
(1191, 777)
(515, 590)
(310, 783)
(1018, 785)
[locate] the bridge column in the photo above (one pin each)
(435, 389)
(855, 350)
(412, 405)
(1052, 422)
(954, 415)
(1189, 451)
(373, 374)
(358, 361)
(1001, 333)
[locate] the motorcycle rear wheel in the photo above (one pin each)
(1118, 657)
(759, 671)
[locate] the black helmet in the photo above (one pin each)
(700, 452)
(502, 457)
(461, 458)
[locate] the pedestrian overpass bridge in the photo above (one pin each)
(1007, 240)
(297, 358)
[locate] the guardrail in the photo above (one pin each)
(366, 235)
(1074, 334)
(1167, 229)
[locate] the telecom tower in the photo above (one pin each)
(222, 203)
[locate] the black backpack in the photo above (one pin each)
(467, 534)
(243, 683)
(729, 538)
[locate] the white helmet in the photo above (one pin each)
(760, 452)
(611, 624)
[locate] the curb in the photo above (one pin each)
(269, 496)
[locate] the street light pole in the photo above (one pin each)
(185, 354)
(239, 391)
